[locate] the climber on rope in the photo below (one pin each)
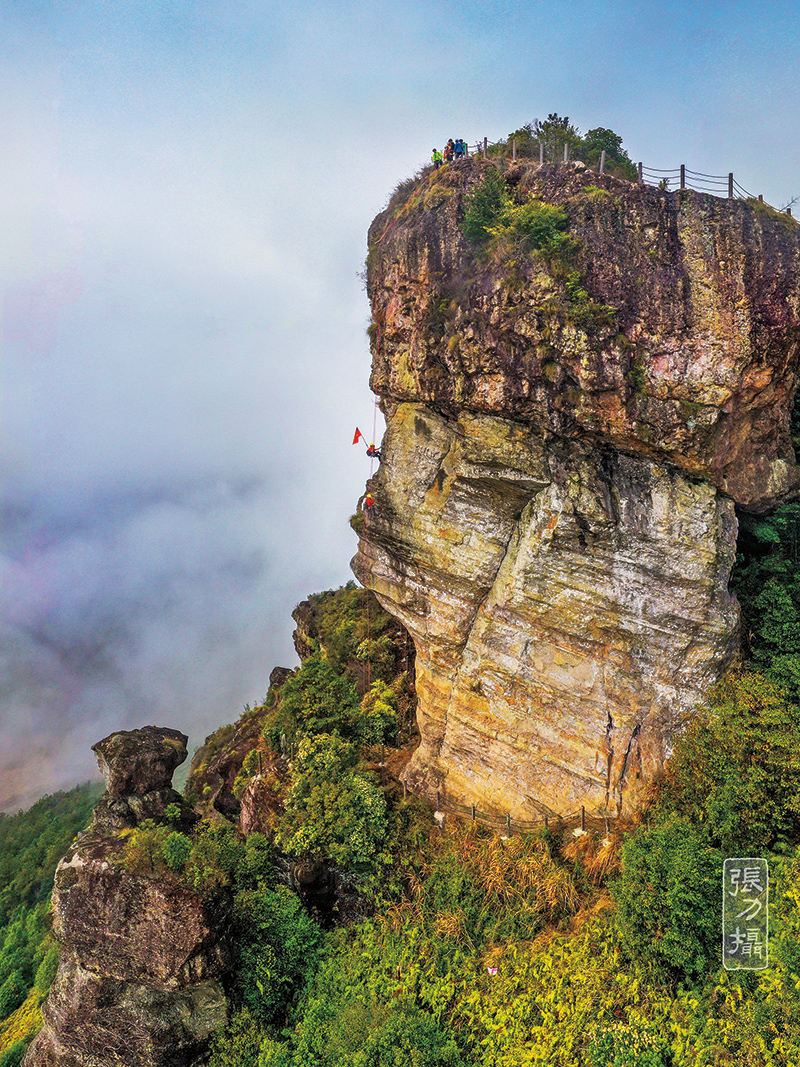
(373, 452)
(369, 502)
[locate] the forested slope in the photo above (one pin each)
(31, 844)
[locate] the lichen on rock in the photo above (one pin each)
(554, 512)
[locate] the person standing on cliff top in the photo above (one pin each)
(436, 158)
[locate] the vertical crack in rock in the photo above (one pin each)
(609, 757)
(623, 769)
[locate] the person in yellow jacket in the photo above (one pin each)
(436, 158)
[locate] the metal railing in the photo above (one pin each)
(677, 179)
(509, 824)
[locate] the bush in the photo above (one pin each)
(379, 715)
(256, 865)
(485, 208)
(46, 971)
(144, 849)
(403, 1037)
(315, 700)
(537, 226)
(668, 900)
(217, 851)
(278, 946)
(12, 1056)
(736, 769)
(176, 850)
(12, 993)
(331, 811)
(238, 1044)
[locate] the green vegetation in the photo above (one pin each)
(546, 948)
(510, 225)
(555, 132)
(766, 580)
(332, 811)
(530, 225)
(31, 844)
(468, 950)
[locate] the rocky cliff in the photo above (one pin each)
(567, 436)
(141, 957)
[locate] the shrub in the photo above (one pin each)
(668, 909)
(313, 701)
(485, 208)
(176, 850)
(332, 811)
(256, 865)
(626, 1045)
(278, 946)
(46, 971)
(216, 854)
(538, 226)
(736, 768)
(144, 849)
(238, 1044)
(402, 1036)
(379, 715)
(12, 1056)
(12, 993)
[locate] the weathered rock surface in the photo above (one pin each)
(554, 519)
(137, 766)
(141, 957)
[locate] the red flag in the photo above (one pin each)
(358, 436)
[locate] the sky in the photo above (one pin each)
(185, 190)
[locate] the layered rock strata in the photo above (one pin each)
(554, 512)
(141, 957)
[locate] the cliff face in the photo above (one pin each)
(554, 512)
(141, 957)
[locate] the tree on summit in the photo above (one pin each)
(554, 133)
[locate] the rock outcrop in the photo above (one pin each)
(566, 439)
(141, 956)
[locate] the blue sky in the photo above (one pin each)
(185, 190)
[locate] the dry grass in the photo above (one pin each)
(518, 871)
(597, 852)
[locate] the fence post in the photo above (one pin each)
(508, 823)
(438, 800)
(761, 198)
(583, 817)
(566, 153)
(639, 169)
(789, 212)
(514, 151)
(730, 186)
(485, 146)
(683, 175)
(541, 153)
(473, 813)
(602, 161)
(260, 764)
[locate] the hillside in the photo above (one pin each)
(555, 621)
